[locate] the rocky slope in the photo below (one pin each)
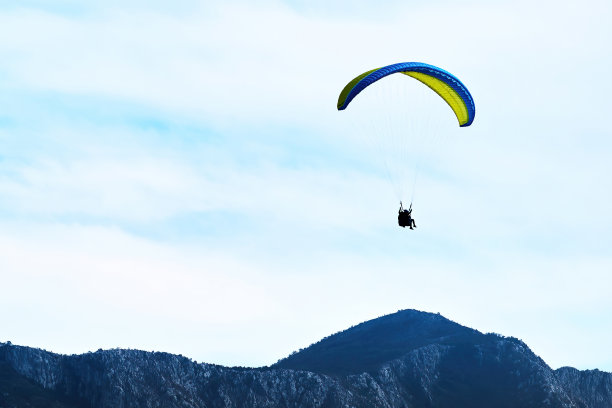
(592, 388)
(408, 359)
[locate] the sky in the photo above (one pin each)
(176, 177)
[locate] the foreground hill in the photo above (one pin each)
(409, 359)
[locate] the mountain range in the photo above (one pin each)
(408, 359)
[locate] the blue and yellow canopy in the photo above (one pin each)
(440, 81)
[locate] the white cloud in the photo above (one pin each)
(242, 61)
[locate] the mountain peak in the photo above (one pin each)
(368, 345)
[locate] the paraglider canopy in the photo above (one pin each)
(449, 87)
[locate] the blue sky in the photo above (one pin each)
(178, 178)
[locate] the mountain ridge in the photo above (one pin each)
(426, 361)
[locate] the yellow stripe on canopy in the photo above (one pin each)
(446, 92)
(349, 87)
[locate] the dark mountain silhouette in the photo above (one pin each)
(409, 359)
(365, 347)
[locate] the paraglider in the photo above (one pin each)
(442, 82)
(404, 217)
